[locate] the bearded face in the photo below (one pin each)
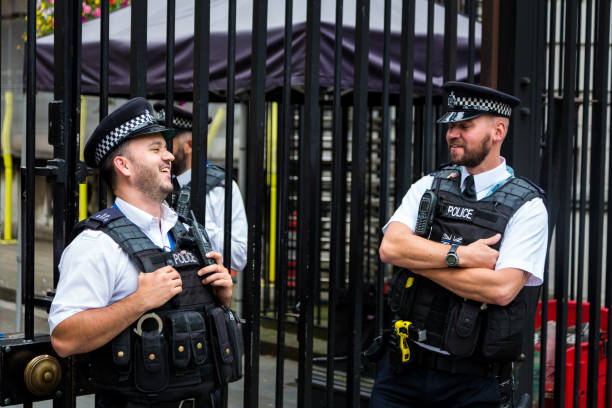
(462, 154)
(151, 181)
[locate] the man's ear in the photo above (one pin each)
(123, 165)
(187, 146)
(500, 129)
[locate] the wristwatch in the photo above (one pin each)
(452, 259)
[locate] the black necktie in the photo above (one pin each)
(469, 191)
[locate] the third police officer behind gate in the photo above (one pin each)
(469, 237)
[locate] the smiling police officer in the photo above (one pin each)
(133, 288)
(469, 237)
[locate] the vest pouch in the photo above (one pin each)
(151, 362)
(121, 349)
(235, 334)
(221, 346)
(180, 341)
(463, 329)
(503, 337)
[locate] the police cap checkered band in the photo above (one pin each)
(182, 119)
(467, 101)
(177, 121)
(107, 143)
(134, 118)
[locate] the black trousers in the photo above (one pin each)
(424, 387)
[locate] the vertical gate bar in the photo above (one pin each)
(307, 230)
(229, 133)
(548, 183)
(403, 160)
(471, 39)
(450, 40)
(201, 55)
(27, 177)
(428, 142)
(170, 30)
(561, 45)
(603, 43)
(229, 148)
(138, 49)
(358, 152)
(338, 199)
(283, 202)
(255, 159)
(563, 228)
(596, 204)
(583, 190)
(385, 150)
(104, 43)
(419, 131)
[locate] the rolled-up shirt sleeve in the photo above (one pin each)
(525, 241)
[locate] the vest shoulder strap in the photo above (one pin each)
(215, 176)
(447, 178)
(517, 191)
(96, 221)
(125, 233)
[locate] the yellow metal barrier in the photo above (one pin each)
(8, 169)
(272, 154)
(215, 125)
(82, 187)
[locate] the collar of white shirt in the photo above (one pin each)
(483, 182)
(184, 178)
(148, 223)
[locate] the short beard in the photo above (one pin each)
(179, 165)
(473, 158)
(147, 181)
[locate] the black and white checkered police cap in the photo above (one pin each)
(133, 118)
(182, 119)
(467, 101)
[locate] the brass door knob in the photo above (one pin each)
(42, 375)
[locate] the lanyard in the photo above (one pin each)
(501, 183)
(170, 239)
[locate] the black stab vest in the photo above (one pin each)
(147, 363)
(462, 327)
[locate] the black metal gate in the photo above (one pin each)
(345, 155)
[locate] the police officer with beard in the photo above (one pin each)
(466, 239)
(182, 122)
(133, 290)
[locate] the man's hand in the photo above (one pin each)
(479, 254)
(219, 278)
(158, 287)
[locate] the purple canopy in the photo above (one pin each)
(119, 51)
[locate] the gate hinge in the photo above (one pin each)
(82, 171)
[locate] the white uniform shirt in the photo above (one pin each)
(96, 272)
(524, 241)
(215, 210)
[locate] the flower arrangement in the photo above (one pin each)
(45, 20)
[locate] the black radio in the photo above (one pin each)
(425, 217)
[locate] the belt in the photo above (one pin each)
(469, 366)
